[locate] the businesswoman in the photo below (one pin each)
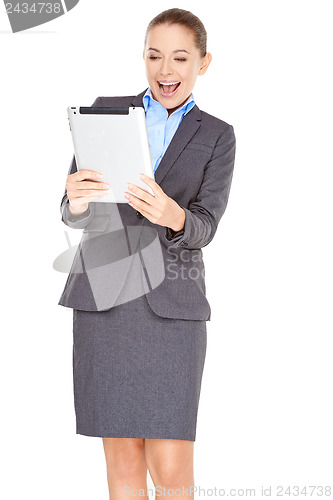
(138, 360)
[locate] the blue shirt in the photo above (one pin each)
(160, 127)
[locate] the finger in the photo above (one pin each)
(95, 185)
(87, 174)
(85, 199)
(142, 206)
(141, 210)
(145, 214)
(156, 188)
(141, 193)
(89, 192)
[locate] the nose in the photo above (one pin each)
(166, 68)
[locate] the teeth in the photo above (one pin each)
(169, 83)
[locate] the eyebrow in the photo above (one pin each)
(174, 51)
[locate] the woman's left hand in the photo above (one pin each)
(158, 209)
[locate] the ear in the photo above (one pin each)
(205, 62)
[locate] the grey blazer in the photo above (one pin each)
(122, 254)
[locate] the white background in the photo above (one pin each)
(265, 413)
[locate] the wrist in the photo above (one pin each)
(180, 223)
(78, 211)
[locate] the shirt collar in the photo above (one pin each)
(149, 102)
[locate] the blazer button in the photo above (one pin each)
(139, 215)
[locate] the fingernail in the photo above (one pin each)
(129, 186)
(142, 176)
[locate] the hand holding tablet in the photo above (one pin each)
(82, 187)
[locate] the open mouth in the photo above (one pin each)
(168, 88)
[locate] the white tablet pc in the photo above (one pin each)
(113, 141)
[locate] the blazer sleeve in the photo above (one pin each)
(203, 215)
(82, 220)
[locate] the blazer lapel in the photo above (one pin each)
(186, 130)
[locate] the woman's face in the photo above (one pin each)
(173, 63)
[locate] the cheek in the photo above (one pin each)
(190, 75)
(149, 71)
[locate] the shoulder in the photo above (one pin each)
(214, 130)
(215, 124)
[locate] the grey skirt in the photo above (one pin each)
(137, 374)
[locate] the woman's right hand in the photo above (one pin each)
(81, 191)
